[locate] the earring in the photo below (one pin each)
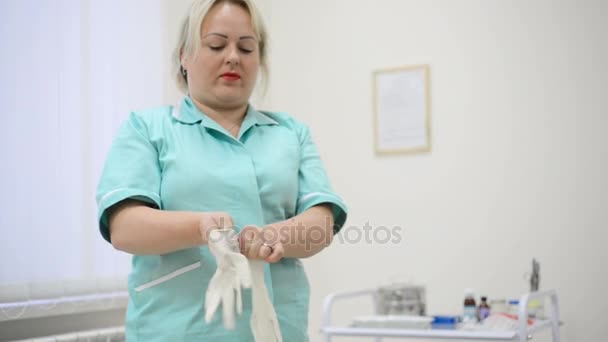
(183, 71)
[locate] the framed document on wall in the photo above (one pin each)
(402, 110)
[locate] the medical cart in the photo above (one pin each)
(522, 334)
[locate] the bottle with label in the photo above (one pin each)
(470, 307)
(514, 307)
(484, 309)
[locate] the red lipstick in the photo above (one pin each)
(231, 76)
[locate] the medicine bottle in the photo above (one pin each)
(470, 307)
(484, 309)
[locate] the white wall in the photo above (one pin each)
(519, 161)
(519, 156)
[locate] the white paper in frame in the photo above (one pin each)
(402, 110)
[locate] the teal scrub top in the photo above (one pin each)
(177, 158)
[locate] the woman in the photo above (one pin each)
(175, 173)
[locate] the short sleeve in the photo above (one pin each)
(131, 171)
(313, 184)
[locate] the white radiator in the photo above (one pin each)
(101, 335)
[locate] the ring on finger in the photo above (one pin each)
(269, 245)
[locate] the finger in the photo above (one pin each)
(239, 300)
(228, 307)
(277, 254)
(210, 311)
(265, 251)
(271, 236)
(216, 222)
(254, 249)
(207, 224)
(212, 302)
(225, 221)
(213, 237)
(246, 236)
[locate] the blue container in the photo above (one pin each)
(446, 322)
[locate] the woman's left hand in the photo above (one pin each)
(261, 243)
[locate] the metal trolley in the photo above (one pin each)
(522, 334)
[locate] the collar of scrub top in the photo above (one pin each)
(186, 112)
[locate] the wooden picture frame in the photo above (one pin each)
(402, 110)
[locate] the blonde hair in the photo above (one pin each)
(189, 40)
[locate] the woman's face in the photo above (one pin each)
(223, 73)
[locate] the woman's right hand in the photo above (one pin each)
(214, 220)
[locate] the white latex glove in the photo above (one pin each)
(264, 322)
(232, 273)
